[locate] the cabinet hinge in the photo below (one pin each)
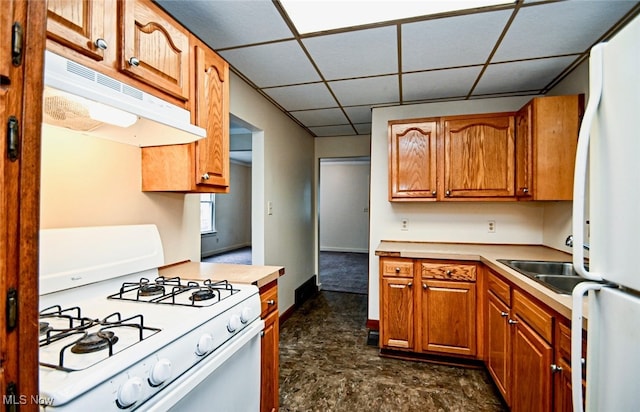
(13, 138)
(10, 398)
(12, 309)
(17, 37)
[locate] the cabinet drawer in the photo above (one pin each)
(448, 272)
(500, 288)
(397, 268)
(537, 318)
(268, 301)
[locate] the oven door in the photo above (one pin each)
(227, 380)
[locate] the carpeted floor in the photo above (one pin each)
(240, 256)
(339, 271)
(344, 272)
(326, 365)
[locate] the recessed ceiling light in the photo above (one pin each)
(311, 16)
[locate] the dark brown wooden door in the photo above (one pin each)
(396, 317)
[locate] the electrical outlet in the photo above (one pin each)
(491, 226)
(404, 224)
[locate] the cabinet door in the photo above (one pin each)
(531, 378)
(412, 161)
(269, 373)
(396, 313)
(212, 113)
(6, 22)
(479, 156)
(448, 317)
(498, 335)
(155, 50)
(78, 25)
(524, 152)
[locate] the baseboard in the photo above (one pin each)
(287, 314)
(342, 249)
(373, 324)
(308, 289)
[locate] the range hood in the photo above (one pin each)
(82, 99)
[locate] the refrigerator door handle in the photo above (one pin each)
(582, 152)
(576, 341)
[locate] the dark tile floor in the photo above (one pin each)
(326, 365)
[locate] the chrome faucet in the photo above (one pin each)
(569, 242)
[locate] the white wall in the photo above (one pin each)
(344, 205)
(282, 173)
(233, 214)
(87, 181)
(441, 221)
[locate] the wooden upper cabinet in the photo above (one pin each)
(6, 22)
(155, 49)
(201, 166)
(212, 113)
(412, 160)
(80, 26)
(546, 141)
(479, 157)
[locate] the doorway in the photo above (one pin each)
(343, 224)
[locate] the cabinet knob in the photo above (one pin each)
(134, 61)
(101, 44)
(205, 176)
(525, 190)
(271, 302)
(504, 314)
(424, 286)
(448, 273)
(397, 270)
(555, 368)
(410, 284)
(433, 193)
(512, 322)
(447, 193)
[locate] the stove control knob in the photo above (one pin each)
(234, 323)
(205, 344)
(130, 392)
(160, 372)
(246, 314)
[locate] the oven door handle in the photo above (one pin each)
(171, 395)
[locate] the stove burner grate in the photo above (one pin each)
(88, 342)
(169, 290)
(93, 342)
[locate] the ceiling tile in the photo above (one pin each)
(223, 24)
(437, 84)
(325, 131)
(371, 90)
(258, 63)
(359, 114)
(321, 117)
(554, 29)
(355, 54)
(449, 42)
(363, 128)
(302, 97)
(521, 76)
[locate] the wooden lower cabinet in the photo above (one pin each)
(447, 323)
(428, 306)
(532, 358)
(270, 354)
(498, 359)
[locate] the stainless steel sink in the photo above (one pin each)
(557, 276)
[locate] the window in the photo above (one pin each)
(207, 213)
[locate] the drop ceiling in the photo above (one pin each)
(328, 81)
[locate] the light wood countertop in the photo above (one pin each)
(489, 255)
(250, 274)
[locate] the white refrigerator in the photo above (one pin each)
(609, 153)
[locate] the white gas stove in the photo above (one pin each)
(116, 336)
